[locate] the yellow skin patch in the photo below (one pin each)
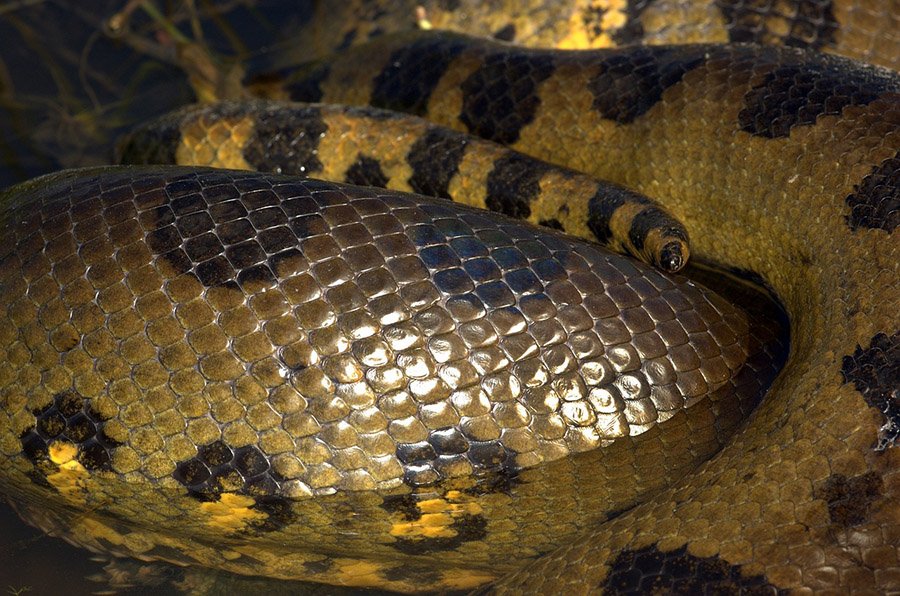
(461, 579)
(62, 453)
(97, 529)
(220, 144)
(70, 477)
(347, 138)
(136, 542)
(360, 572)
(590, 25)
(232, 513)
(437, 517)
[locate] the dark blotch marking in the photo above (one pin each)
(238, 228)
(215, 272)
(509, 257)
(415, 453)
(810, 23)
(70, 418)
(163, 239)
(309, 225)
(617, 512)
(259, 275)
(495, 468)
(435, 159)
(875, 202)
(191, 473)
(178, 260)
(308, 86)
(250, 461)
(501, 97)
(632, 31)
(278, 513)
(366, 171)
(650, 571)
(466, 528)
(38, 477)
(195, 224)
(652, 219)
(796, 95)
(875, 372)
(849, 499)
(282, 262)
(553, 224)
(513, 183)
(482, 269)
(453, 281)
(405, 505)
(202, 476)
(412, 73)
(488, 455)
(601, 208)
(156, 145)
(505, 33)
(188, 204)
(448, 441)
(235, 231)
(631, 82)
(165, 553)
(244, 255)
(437, 255)
(424, 462)
(287, 141)
(349, 36)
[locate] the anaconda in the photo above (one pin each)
(740, 141)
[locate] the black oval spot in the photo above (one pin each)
(875, 372)
(650, 570)
(412, 73)
(875, 202)
(215, 454)
(500, 98)
(448, 441)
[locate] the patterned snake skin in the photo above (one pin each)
(306, 380)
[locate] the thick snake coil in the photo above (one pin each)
(307, 380)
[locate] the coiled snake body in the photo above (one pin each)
(312, 381)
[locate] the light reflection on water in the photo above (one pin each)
(33, 563)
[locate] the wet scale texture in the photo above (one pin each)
(241, 343)
(357, 338)
(803, 497)
(742, 143)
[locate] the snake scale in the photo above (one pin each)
(306, 380)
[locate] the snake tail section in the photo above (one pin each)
(374, 147)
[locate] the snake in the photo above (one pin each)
(274, 375)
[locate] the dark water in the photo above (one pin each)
(67, 89)
(32, 563)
